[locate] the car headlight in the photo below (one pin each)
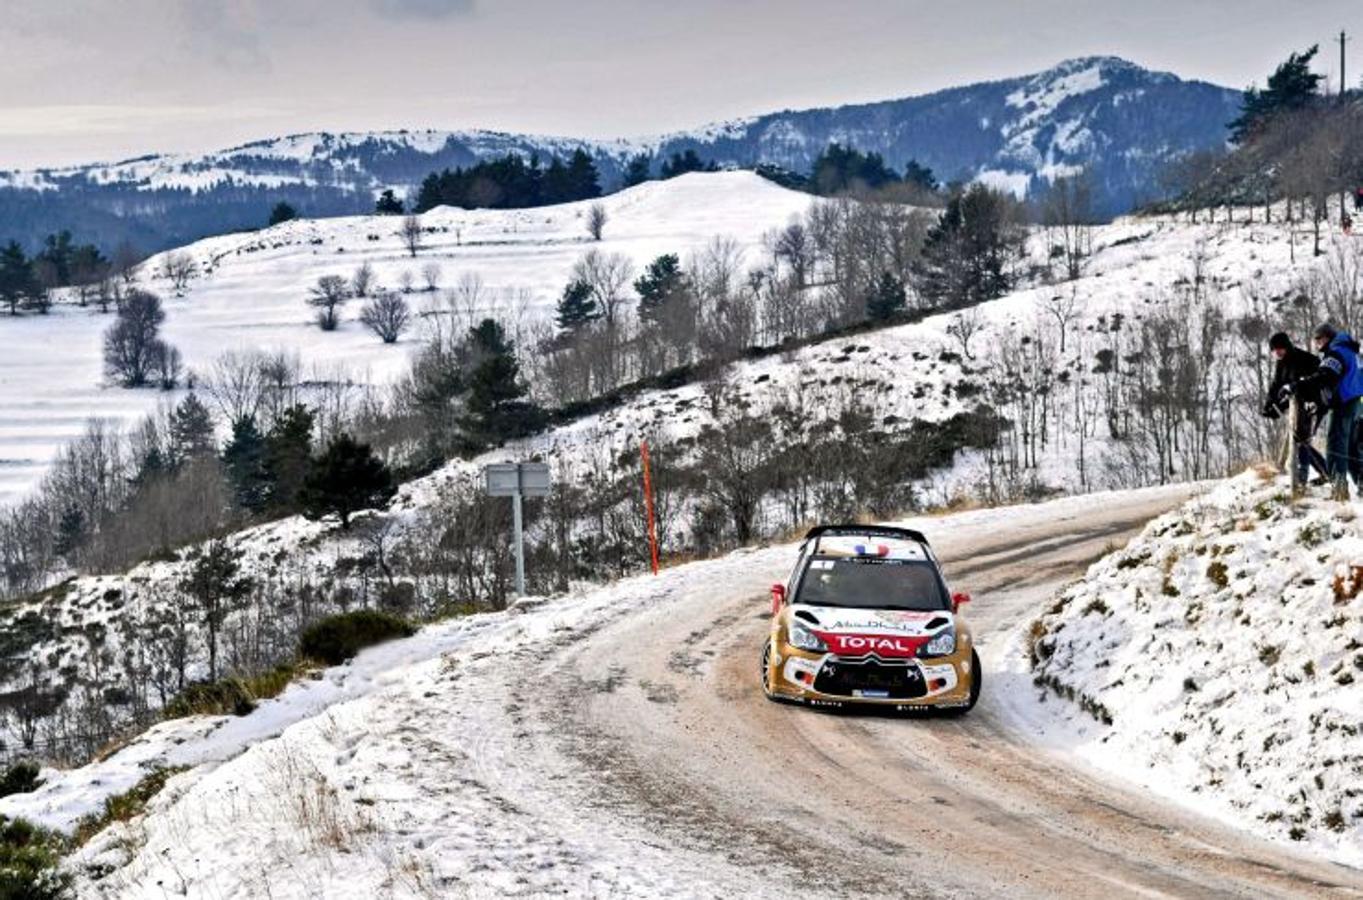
(802, 637)
(942, 645)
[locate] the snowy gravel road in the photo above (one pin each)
(616, 743)
(665, 705)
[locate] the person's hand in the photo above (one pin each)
(1285, 392)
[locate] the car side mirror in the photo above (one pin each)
(957, 599)
(778, 596)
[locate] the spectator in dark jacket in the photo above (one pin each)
(1338, 383)
(1294, 363)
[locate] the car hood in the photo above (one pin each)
(890, 622)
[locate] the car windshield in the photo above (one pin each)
(871, 583)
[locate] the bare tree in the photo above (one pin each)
(328, 295)
(1064, 308)
(411, 234)
(179, 269)
(236, 384)
(132, 347)
(607, 275)
(387, 315)
(468, 302)
(362, 282)
(596, 220)
(964, 326)
(431, 274)
(1068, 215)
(166, 365)
(125, 262)
(794, 246)
(405, 281)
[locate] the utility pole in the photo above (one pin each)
(1343, 82)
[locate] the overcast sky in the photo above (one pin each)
(85, 80)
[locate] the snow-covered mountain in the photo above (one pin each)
(1121, 121)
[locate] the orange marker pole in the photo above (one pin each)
(648, 506)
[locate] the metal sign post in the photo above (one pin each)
(517, 480)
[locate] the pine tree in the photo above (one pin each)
(70, 531)
(495, 406)
(968, 256)
(662, 280)
(282, 212)
(57, 252)
(288, 455)
(346, 478)
(637, 171)
(244, 459)
(17, 281)
(1291, 86)
(839, 169)
(920, 175)
(216, 587)
(681, 163)
(191, 430)
(583, 179)
(887, 299)
(389, 205)
(577, 307)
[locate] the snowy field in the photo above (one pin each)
(1217, 660)
(251, 290)
(252, 287)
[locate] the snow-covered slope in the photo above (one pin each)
(391, 776)
(901, 375)
(1218, 659)
(252, 290)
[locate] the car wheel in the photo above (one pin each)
(766, 670)
(976, 681)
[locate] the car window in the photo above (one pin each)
(872, 583)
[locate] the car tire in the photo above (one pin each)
(766, 670)
(976, 681)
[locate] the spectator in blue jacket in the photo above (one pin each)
(1337, 385)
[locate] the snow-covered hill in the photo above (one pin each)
(1122, 122)
(1218, 659)
(413, 771)
(904, 376)
(252, 288)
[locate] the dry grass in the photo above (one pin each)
(322, 818)
(125, 806)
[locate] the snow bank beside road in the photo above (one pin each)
(1218, 660)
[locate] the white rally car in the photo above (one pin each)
(867, 618)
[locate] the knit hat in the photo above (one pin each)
(1279, 341)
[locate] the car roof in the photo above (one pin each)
(847, 546)
(868, 531)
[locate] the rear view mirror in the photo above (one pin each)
(957, 599)
(778, 596)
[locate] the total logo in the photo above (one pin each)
(869, 643)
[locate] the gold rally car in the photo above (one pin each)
(867, 619)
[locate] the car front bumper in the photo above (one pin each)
(827, 679)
